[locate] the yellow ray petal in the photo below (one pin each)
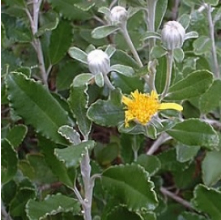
(171, 106)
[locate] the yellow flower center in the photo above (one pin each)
(141, 107)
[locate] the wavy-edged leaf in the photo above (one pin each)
(78, 101)
(49, 22)
(122, 69)
(131, 185)
(9, 161)
(82, 79)
(16, 135)
(194, 132)
(150, 163)
(195, 84)
(72, 155)
(191, 216)
(211, 169)
(70, 134)
(207, 200)
(107, 112)
(34, 103)
(78, 54)
(104, 31)
(122, 213)
(52, 204)
(60, 41)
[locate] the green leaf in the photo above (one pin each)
(122, 213)
(211, 98)
(110, 50)
(82, 79)
(127, 84)
(161, 9)
(191, 34)
(72, 155)
(149, 34)
(136, 193)
(212, 2)
(211, 169)
(207, 200)
(184, 20)
(78, 54)
(150, 163)
(33, 102)
(26, 190)
(70, 134)
(122, 69)
(185, 153)
(194, 132)
(104, 31)
(60, 41)
(9, 161)
(51, 205)
(99, 79)
(109, 112)
(105, 155)
(160, 78)
(68, 9)
(195, 84)
(57, 167)
(66, 73)
(191, 216)
(202, 45)
(121, 57)
(42, 173)
(78, 101)
(178, 55)
(16, 135)
(49, 22)
(169, 162)
(157, 52)
(16, 3)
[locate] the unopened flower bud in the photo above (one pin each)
(98, 62)
(118, 14)
(173, 35)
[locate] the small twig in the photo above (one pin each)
(168, 74)
(107, 82)
(130, 43)
(36, 42)
(161, 139)
(211, 31)
(176, 198)
(4, 213)
(77, 193)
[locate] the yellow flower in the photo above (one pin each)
(141, 107)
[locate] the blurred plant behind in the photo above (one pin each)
(109, 111)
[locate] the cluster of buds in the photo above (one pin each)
(173, 35)
(98, 62)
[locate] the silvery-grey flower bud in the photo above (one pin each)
(118, 14)
(173, 35)
(98, 62)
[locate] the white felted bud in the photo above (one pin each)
(98, 62)
(118, 14)
(173, 35)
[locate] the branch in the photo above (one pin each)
(176, 198)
